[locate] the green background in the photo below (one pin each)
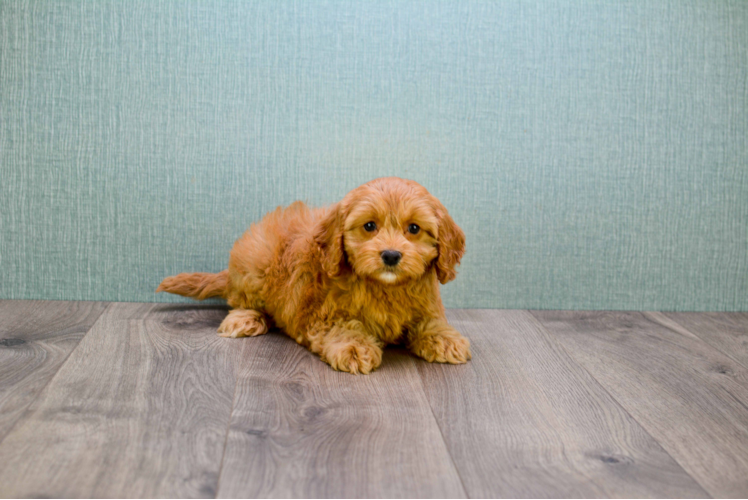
(593, 152)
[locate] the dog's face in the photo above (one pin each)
(390, 230)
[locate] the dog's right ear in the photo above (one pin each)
(329, 238)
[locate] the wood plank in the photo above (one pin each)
(523, 420)
(140, 409)
(726, 332)
(686, 394)
(300, 429)
(36, 337)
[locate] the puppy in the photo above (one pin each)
(344, 281)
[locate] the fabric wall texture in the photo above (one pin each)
(594, 152)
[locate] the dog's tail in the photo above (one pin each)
(197, 285)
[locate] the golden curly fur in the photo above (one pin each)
(332, 278)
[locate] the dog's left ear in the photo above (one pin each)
(451, 245)
(329, 238)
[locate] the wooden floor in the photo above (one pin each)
(145, 400)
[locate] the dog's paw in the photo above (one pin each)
(243, 323)
(445, 346)
(353, 356)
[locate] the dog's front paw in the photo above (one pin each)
(353, 356)
(442, 344)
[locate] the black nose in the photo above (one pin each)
(391, 257)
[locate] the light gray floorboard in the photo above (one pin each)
(35, 339)
(152, 403)
(687, 395)
(727, 332)
(524, 420)
(139, 409)
(300, 429)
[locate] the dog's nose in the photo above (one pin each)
(391, 257)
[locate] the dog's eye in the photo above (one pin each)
(370, 226)
(413, 229)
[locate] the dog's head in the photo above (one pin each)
(390, 230)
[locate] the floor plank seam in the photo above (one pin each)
(643, 427)
(441, 434)
(64, 361)
(226, 438)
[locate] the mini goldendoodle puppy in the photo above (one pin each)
(346, 280)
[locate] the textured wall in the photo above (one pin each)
(593, 151)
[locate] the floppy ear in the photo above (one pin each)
(451, 246)
(329, 238)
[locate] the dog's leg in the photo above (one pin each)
(243, 323)
(437, 342)
(348, 347)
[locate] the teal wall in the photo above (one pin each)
(593, 151)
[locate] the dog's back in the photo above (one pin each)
(270, 251)
(271, 255)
